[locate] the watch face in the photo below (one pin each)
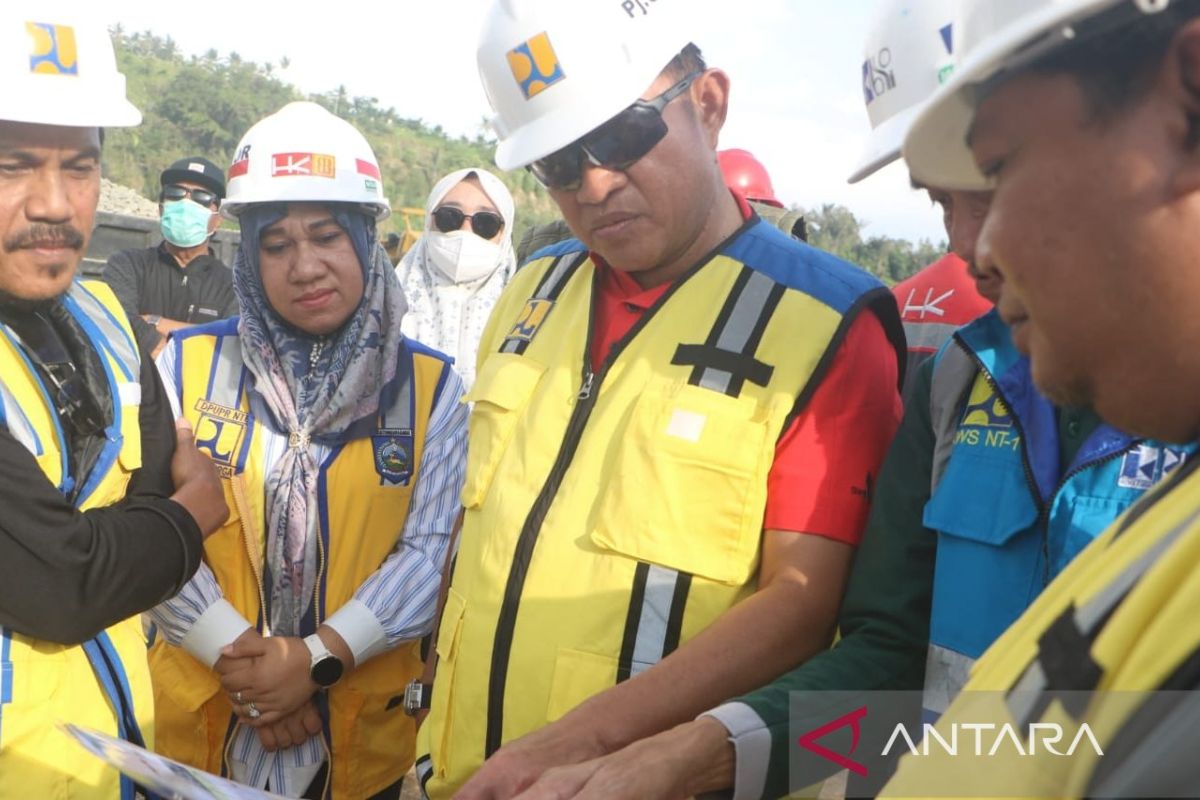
(327, 671)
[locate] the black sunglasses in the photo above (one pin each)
(202, 196)
(617, 144)
(485, 224)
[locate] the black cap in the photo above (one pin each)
(196, 170)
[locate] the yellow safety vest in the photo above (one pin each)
(1124, 616)
(363, 515)
(613, 513)
(41, 683)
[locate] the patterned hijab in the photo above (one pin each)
(323, 389)
(446, 316)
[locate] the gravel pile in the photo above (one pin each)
(118, 199)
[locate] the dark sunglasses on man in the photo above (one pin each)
(617, 144)
(485, 224)
(174, 192)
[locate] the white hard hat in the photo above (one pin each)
(993, 36)
(554, 70)
(909, 53)
(57, 67)
(303, 153)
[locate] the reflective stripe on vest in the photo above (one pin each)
(1064, 663)
(927, 337)
(424, 770)
(18, 424)
(726, 360)
(655, 619)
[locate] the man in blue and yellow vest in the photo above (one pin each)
(677, 422)
(100, 521)
(1082, 117)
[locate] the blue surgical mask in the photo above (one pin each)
(184, 223)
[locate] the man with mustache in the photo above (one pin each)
(100, 521)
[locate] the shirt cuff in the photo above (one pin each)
(360, 629)
(751, 742)
(218, 626)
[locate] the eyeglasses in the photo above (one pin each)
(485, 224)
(617, 144)
(202, 196)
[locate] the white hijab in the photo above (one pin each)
(450, 316)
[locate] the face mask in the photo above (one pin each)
(462, 256)
(184, 223)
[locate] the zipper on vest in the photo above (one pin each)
(317, 580)
(590, 382)
(1044, 515)
(507, 620)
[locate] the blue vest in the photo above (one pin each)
(1008, 517)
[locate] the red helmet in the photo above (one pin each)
(744, 173)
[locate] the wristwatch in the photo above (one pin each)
(416, 697)
(326, 668)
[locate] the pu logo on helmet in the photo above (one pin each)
(535, 65)
(877, 76)
(54, 51)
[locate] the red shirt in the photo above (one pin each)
(828, 458)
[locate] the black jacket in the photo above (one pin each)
(150, 281)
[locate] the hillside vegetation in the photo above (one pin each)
(203, 105)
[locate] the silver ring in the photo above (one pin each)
(252, 710)
(237, 697)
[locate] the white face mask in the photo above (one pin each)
(462, 256)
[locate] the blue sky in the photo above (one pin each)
(794, 66)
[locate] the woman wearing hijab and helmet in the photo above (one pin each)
(341, 446)
(456, 271)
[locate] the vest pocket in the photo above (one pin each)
(688, 485)
(501, 391)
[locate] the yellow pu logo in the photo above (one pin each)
(532, 317)
(53, 50)
(535, 65)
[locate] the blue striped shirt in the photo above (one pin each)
(395, 604)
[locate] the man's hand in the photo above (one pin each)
(269, 672)
(197, 485)
(692, 758)
(518, 764)
(294, 729)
